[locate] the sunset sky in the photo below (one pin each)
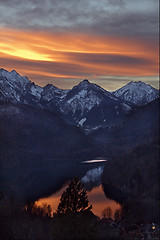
(108, 42)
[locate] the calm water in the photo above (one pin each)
(96, 195)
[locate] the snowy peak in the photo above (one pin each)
(86, 105)
(16, 88)
(50, 92)
(13, 77)
(137, 93)
(89, 106)
(82, 98)
(12, 85)
(85, 84)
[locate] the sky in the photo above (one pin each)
(62, 42)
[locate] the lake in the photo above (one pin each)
(91, 178)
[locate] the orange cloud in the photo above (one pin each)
(76, 56)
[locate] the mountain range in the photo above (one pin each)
(43, 125)
(46, 133)
(86, 105)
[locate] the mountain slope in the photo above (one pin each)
(17, 89)
(141, 127)
(24, 128)
(76, 106)
(90, 107)
(12, 86)
(133, 179)
(86, 105)
(33, 142)
(137, 93)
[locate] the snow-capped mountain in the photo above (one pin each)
(82, 98)
(79, 106)
(18, 89)
(12, 85)
(86, 105)
(137, 93)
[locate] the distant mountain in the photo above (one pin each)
(17, 89)
(137, 93)
(90, 107)
(86, 105)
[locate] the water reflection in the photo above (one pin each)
(53, 200)
(90, 175)
(96, 197)
(94, 161)
(99, 201)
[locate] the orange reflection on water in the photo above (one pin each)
(96, 197)
(53, 200)
(99, 201)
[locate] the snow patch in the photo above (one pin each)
(82, 121)
(81, 94)
(36, 91)
(126, 108)
(93, 175)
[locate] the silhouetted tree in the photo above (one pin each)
(117, 215)
(74, 218)
(74, 199)
(107, 212)
(49, 210)
(43, 211)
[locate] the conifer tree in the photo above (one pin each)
(74, 199)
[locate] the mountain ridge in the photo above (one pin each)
(78, 106)
(34, 135)
(138, 93)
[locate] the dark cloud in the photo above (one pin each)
(113, 17)
(105, 58)
(44, 66)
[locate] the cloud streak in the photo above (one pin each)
(43, 56)
(66, 41)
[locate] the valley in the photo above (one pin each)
(46, 133)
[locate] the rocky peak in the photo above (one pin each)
(137, 93)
